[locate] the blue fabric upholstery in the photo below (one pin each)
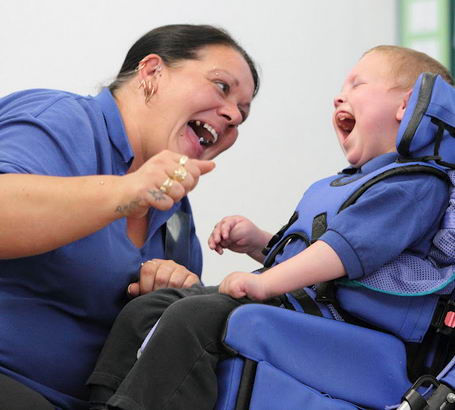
(344, 361)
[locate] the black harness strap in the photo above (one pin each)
(319, 226)
(246, 385)
(306, 301)
(280, 233)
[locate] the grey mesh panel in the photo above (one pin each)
(410, 275)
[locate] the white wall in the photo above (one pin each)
(303, 48)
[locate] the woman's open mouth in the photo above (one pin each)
(206, 133)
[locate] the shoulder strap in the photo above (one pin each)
(420, 168)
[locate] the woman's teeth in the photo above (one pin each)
(210, 129)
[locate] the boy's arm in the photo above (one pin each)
(317, 263)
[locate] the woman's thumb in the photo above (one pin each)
(205, 166)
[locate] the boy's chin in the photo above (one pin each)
(355, 161)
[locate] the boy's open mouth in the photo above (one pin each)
(345, 122)
(206, 133)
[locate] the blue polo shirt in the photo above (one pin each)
(58, 307)
(397, 214)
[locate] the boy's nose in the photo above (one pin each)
(339, 99)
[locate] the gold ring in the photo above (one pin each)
(180, 174)
(166, 185)
(183, 160)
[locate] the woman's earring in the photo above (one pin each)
(149, 90)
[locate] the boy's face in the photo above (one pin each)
(368, 110)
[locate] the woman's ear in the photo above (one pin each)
(150, 65)
(403, 105)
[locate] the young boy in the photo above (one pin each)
(177, 367)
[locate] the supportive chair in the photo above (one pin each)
(294, 360)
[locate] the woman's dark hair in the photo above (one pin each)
(177, 42)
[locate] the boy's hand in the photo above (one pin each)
(243, 284)
(240, 235)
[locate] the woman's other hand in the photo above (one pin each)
(160, 182)
(160, 273)
(240, 235)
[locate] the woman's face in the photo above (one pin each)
(198, 104)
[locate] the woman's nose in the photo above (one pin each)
(231, 113)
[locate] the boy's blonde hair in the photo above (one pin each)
(407, 64)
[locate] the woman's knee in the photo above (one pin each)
(200, 309)
(16, 396)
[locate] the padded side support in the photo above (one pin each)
(432, 98)
(229, 375)
(348, 362)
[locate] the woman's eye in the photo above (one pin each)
(223, 86)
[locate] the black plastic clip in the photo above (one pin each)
(413, 398)
(442, 396)
(444, 317)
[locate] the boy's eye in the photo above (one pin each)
(223, 86)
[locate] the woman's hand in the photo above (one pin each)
(160, 182)
(159, 273)
(244, 284)
(240, 235)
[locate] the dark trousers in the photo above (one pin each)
(177, 368)
(16, 396)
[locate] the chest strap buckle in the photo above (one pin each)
(444, 317)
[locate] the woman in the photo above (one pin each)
(93, 188)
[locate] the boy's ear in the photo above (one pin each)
(404, 103)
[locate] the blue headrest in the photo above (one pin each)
(428, 126)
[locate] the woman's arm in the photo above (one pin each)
(40, 213)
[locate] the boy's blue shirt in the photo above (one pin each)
(399, 213)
